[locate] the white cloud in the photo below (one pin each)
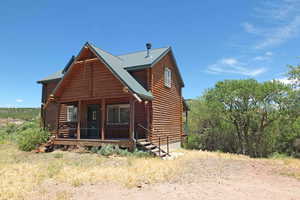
(233, 66)
(229, 61)
(281, 34)
(266, 56)
(249, 28)
(281, 23)
(285, 80)
(19, 100)
(268, 53)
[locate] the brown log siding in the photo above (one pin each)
(50, 113)
(167, 105)
(91, 80)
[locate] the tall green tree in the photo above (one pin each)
(294, 75)
(251, 107)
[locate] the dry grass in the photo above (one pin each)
(22, 173)
(287, 166)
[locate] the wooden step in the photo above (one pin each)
(144, 143)
(142, 140)
(151, 146)
(155, 150)
(148, 146)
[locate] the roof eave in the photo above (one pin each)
(47, 81)
(150, 97)
(137, 67)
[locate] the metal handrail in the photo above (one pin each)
(149, 131)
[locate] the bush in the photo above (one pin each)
(8, 133)
(193, 141)
(108, 150)
(29, 138)
(277, 155)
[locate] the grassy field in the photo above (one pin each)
(24, 175)
(19, 113)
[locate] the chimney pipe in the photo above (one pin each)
(148, 46)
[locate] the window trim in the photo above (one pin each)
(74, 110)
(168, 77)
(119, 106)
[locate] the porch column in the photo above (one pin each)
(57, 120)
(131, 118)
(102, 118)
(78, 120)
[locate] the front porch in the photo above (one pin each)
(95, 122)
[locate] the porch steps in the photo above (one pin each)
(151, 148)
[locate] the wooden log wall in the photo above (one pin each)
(167, 105)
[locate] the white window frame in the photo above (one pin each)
(119, 106)
(71, 111)
(168, 77)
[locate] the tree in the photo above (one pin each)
(294, 75)
(251, 107)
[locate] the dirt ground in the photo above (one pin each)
(204, 178)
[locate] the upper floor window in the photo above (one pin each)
(118, 114)
(71, 113)
(168, 77)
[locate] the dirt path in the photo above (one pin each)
(210, 178)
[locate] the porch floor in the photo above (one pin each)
(94, 142)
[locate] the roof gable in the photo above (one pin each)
(114, 64)
(120, 65)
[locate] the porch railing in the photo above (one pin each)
(159, 139)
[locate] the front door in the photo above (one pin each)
(93, 121)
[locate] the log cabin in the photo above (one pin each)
(99, 98)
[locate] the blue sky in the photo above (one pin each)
(212, 40)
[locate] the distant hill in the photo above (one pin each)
(19, 113)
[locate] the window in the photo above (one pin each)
(71, 113)
(168, 77)
(118, 114)
(94, 115)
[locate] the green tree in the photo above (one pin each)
(251, 107)
(294, 75)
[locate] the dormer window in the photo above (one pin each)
(168, 77)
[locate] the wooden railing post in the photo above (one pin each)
(57, 120)
(131, 118)
(78, 120)
(159, 145)
(102, 118)
(168, 145)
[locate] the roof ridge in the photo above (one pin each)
(107, 52)
(143, 51)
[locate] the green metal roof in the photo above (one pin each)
(120, 65)
(57, 75)
(115, 65)
(140, 59)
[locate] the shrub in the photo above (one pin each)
(29, 138)
(193, 141)
(277, 155)
(107, 150)
(94, 149)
